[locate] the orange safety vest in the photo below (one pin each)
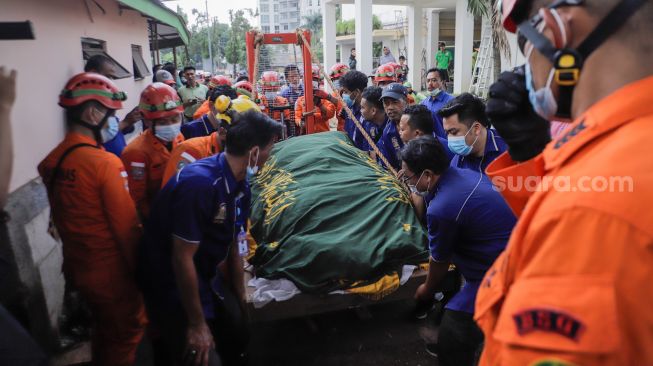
(145, 159)
(573, 286)
(321, 121)
(190, 151)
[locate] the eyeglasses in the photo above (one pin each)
(538, 18)
(406, 179)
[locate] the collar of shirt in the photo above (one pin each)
(231, 185)
(78, 138)
(491, 145)
(207, 124)
(434, 192)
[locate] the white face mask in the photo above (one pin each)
(270, 95)
(167, 133)
(112, 129)
(252, 170)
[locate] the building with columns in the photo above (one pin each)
(418, 38)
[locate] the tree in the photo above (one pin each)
(346, 27)
(235, 49)
(489, 9)
(313, 23)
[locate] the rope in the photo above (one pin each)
(359, 126)
(258, 40)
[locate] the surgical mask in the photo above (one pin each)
(413, 188)
(434, 93)
(113, 127)
(270, 95)
(347, 99)
(337, 84)
(458, 146)
(252, 170)
(316, 85)
(542, 100)
(167, 133)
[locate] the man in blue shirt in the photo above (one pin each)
(395, 101)
(372, 118)
(436, 98)
(469, 134)
(352, 85)
(469, 225)
(294, 88)
(208, 123)
(189, 248)
(415, 122)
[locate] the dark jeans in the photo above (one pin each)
(16, 346)
(459, 339)
(229, 330)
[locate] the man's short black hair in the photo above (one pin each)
(402, 57)
(94, 63)
(468, 108)
(189, 67)
(440, 44)
(425, 152)
(242, 77)
(440, 73)
(249, 129)
(354, 80)
(372, 94)
(289, 68)
(420, 118)
(222, 90)
(170, 67)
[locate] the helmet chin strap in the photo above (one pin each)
(96, 128)
(568, 62)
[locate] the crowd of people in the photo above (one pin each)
(154, 230)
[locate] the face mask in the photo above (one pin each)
(167, 133)
(542, 100)
(113, 127)
(458, 146)
(348, 100)
(270, 95)
(434, 93)
(413, 188)
(337, 84)
(251, 171)
(316, 85)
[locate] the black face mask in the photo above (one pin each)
(568, 62)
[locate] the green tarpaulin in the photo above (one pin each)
(325, 216)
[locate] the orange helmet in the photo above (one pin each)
(385, 72)
(219, 80)
(315, 73)
(159, 100)
(91, 86)
(397, 67)
(338, 70)
(244, 87)
(270, 80)
(507, 8)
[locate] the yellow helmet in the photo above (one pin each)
(226, 106)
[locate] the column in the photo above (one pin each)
(433, 38)
(414, 44)
(329, 34)
(363, 16)
(464, 44)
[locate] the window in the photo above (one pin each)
(265, 19)
(310, 2)
(266, 29)
(276, 7)
(318, 2)
(92, 47)
(140, 67)
(265, 8)
(285, 27)
(276, 29)
(284, 16)
(276, 18)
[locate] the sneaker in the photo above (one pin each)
(432, 349)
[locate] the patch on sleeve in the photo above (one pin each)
(550, 321)
(137, 171)
(551, 362)
(123, 174)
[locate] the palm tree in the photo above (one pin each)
(313, 22)
(489, 9)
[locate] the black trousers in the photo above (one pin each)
(460, 340)
(229, 329)
(16, 346)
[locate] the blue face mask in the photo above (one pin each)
(167, 133)
(542, 100)
(113, 127)
(458, 146)
(348, 100)
(252, 170)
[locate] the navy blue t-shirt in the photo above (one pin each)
(434, 104)
(390, 145)
(494, 146)
(197, 128)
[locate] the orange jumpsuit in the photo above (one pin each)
(278, 102)
(339, 107)
(321, 121)
(145, 159)
(574, 283)
(189, 151)
(97, 222)
(202, 110)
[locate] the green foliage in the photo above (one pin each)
(346, 27)
(314, 24)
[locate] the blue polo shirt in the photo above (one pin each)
(200, 205)
(116, 145)
(445, 145)
(494, 146)
(375, 131)
(350, 126)
(469, 224)
(434, 104)
(390, 145)
(197, 128)
(291, 94)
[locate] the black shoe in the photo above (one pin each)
(432, 349)
(423, 308)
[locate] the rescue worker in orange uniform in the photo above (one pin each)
(214, 82)
(573, 286)
(337, 71)
(384, 75)
(95, 218)
(145, 158)
(323, 111)
(198, 148)
(270, 99)
(244, 87)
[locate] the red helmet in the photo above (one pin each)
(270, 80)
(315, 73)
(507, 8)
(244, 87)
(159, 100)
(338, 70)
(91, 86)
(385, 72)
(397, 67)
(219, 80)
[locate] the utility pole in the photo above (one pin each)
(208, 23)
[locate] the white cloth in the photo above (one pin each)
(268, 290)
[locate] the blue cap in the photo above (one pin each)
(395, 91)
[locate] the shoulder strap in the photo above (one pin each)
(55, 172)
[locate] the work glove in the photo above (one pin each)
(320, 94)
(511, 113)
